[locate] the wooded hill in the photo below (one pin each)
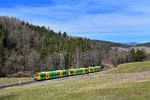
(111, 44)
(144, 44)
(26, 49)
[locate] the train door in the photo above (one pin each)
(75, 72)
(93, 69)
(61, 73)
(83, 70)
(47, 75)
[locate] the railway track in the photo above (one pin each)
(32, 82)
(16, 84)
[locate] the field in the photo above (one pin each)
(101, 86)
(6, 81)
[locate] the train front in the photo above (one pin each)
(36, 76)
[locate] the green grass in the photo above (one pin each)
(131, 67)
(6, 81)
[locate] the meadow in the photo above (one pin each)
(119, 84)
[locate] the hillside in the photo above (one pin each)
(111, 44)
(131, 67)
(144, 45)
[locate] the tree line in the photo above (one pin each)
(138, 55)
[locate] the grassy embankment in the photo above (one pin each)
(131, 68)
(99, 87)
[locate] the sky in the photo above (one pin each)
(111, 20)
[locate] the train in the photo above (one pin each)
(65, 73)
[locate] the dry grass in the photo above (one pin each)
(6, 81)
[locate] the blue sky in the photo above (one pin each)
(111, 20)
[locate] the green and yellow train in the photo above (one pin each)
(64, 73)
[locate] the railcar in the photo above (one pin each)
(50, 75)
(72, 72)
(84, 70)
(63, 73)
(97, 68)
(91, 69)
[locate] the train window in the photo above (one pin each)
(43, 75)
(71, 72)
(56, 74)
(52, 75)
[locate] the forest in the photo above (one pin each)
(26, 48)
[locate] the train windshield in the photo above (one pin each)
(36, 75)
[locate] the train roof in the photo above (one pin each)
(69, 69)
(50, 71)
(90, 67)
(82, 68)
(61, 70)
